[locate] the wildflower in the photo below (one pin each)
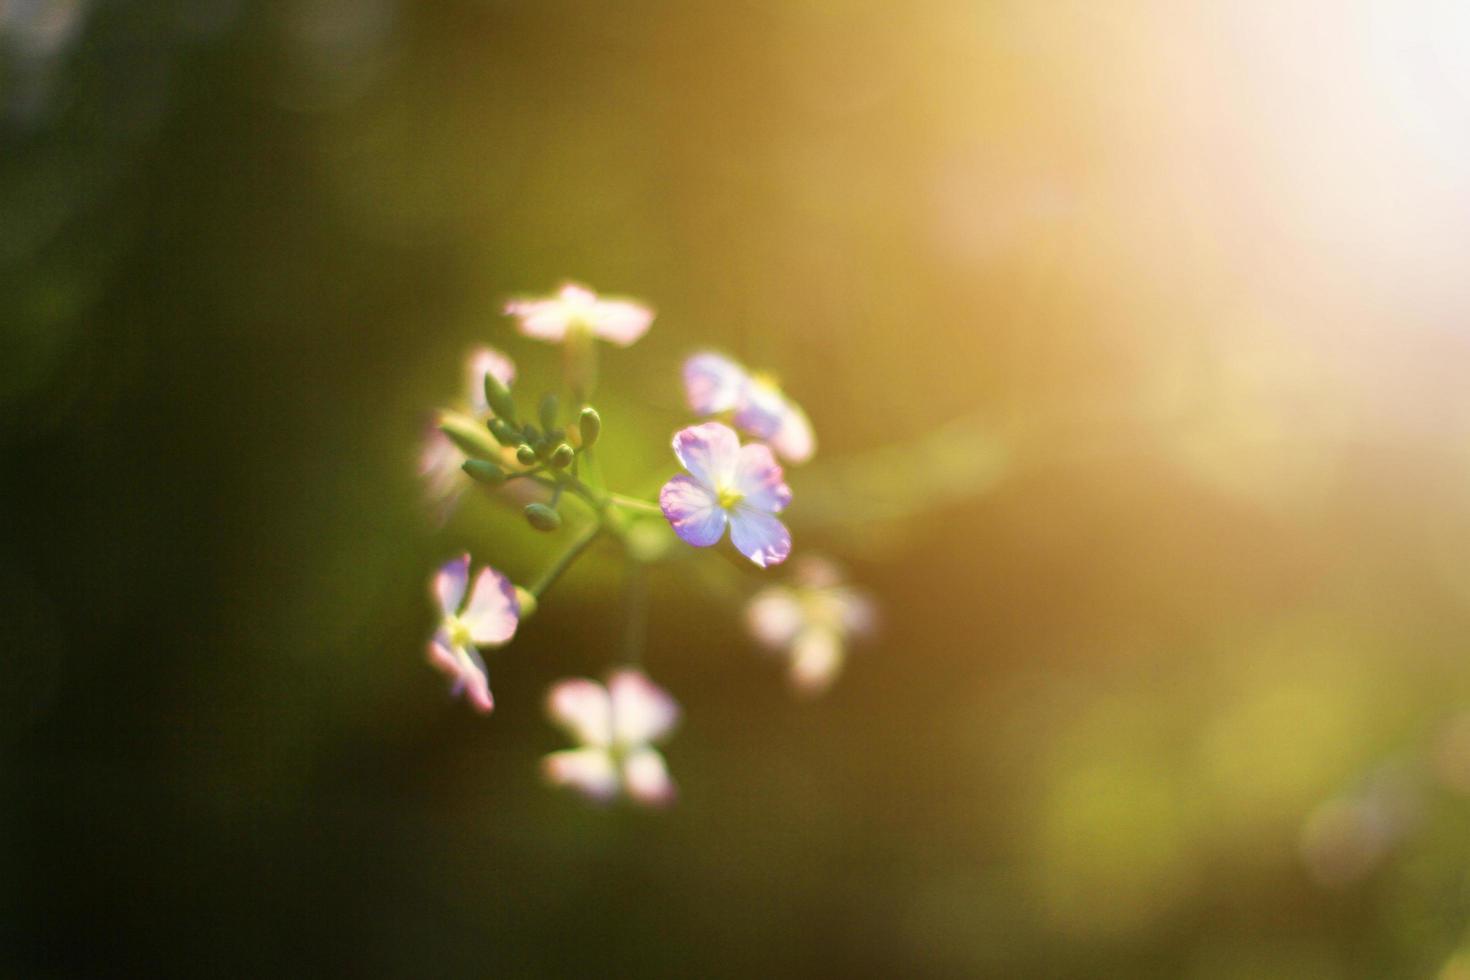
(615, 727)
(811, 620)
(728, 483)
(577, 308)
(714, 384)
(488, 619)
(440, 459)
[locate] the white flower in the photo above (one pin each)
(811, 620)
(615, 727)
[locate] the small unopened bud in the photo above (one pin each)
(548, 411)
(468, 435)
(562, 456)
(504, 432)
(484, 471)
(525, 455)
(590, 425)
(526, 601)
(542, 517)
(497, 396)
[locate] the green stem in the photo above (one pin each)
(568, 557)
(633, 503)
(635, 630)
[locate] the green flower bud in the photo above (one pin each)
(591, 425)
(548, 411)
(468, 435)
(504, 432)
(542, 517)
(562, 456)
(484, 471)
(497, 395)
(526, 455)
(527, 602)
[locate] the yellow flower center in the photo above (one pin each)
(459, 633)
(729, 498)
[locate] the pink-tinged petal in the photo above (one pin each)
(709, 452)
(590, 772)
(475, 681)
(464, 666)
(543, 319)
(817, 572)
(762, 410)
(855, 611)
(759, 536)
(713, 383)
(759, 480)
(646, 778)
(794, 440)
(449, 583)
(642, 711)
(483, 361)
(582, 708)
(578, 299)
(693, 510)
(493, 611)
(775, 616)
(439, 465)
(619, 321)
(816, 660)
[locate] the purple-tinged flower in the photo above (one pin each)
(730, 484)
(615, 728)
(811, 620)
(577, 308)
(487, 619)
(714, 384)
(440, 459)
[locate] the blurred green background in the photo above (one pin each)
(1135, 335)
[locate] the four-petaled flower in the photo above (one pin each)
(728, 483)
(487, 619)
(616, 727)
(440, 460)
(715, 384)
(577, 308)
(811, 620)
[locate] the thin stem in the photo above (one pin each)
(633, 503)
(568, 557)
(635, 629)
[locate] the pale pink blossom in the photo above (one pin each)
(488, 618)
(727, 483)
(574, 307)
(811, 621)
(615, 728)
(714, 384)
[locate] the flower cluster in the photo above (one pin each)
(545, 464)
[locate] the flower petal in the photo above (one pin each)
(759, 479)
(590, 772)
(493, 611)
(642, 711)
(449, 583)
(762, 409)
(709, 452)
(582, 707)
(543, 319)
(856, 612)
(775, 616)
(693, 510)
(619, 321)
(713, 383)
(646, 778)
(816, 660)
(794, 440)
(465, 667)
(483, 361)
(759, 536)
